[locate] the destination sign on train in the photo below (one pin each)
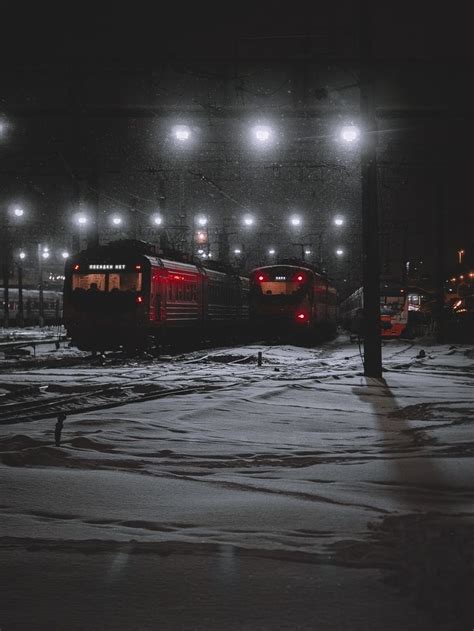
(107, 266)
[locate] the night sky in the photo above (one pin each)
(90, 94)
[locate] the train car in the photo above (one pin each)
(52, 306)
(294, 300)
(123, 295)
(403, 310)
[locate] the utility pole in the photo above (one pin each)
(40, 285)
(370, 229)
(5, 261)
(440, 254)
(21, 311)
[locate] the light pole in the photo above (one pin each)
(16, 213)
(81, 220)
(370, 229)
(21, 313)
(43, 254)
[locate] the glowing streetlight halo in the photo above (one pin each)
(338, 221)
(65, 254)
(339, 252)
(201, 220)
(116, 220)
(22, 255)
(262, 133)
(81, 219)
(18, 211)
(350, 133)
(248, 220)
(182, 133)
(295, 221)
(271, 251)
(157, 219)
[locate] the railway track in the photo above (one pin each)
(13, 410)
(106, 397)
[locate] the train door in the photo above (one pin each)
(158, 287)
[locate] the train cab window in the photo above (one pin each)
(125, 281)
(86, 281)
(280, 288)
(391, 305)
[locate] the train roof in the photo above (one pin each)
(129, 248)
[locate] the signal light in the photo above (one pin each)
(301, 316)
(138, 267)
(260, 278)
(139, 299)
(299, 277)
(76, 267)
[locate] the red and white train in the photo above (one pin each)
(293, 300)
(123, 295)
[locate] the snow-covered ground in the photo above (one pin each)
(295, 495)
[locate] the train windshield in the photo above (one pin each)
(392, 305)
(280, 288)
(109, 282)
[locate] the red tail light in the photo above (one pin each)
(301, 317)
(260, 278)
(299, 277)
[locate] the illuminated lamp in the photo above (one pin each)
(301, 317)
(139, 299)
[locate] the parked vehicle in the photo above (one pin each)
(125, 295)
(292, 300)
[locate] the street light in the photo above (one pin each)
(271, 251)
(339, 221)
(18, 212)
(350, 133)
(339, 252)
(182, 133)
(81, 219)
(201, 220)
(117, 220)
(262, 133)
(22, 255)
(307, 251)
(295, 221)
(237, 251)
(157, 220)
(45, 254)
(65, 254)
(460, 256)
(248, 220)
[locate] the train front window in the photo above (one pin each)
(110, 282)
(88, 282)
(391, 305)
(127, 281)
(280, 288)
